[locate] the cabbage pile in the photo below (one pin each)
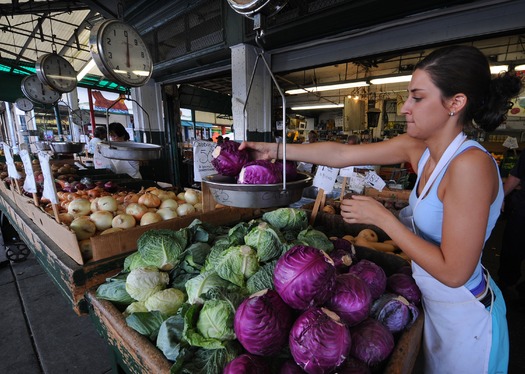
(228, 160)
(272, 295)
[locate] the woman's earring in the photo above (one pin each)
(451, 114)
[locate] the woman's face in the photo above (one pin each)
(114, 138)
(424, 109)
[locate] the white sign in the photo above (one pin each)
(11, 168)
(325, 178)
(511, 143)
(49, 191)
(29, 182)
(375, 181)
(202, 156)
(347, 172)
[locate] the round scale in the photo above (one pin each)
(120, 53)
(24, 104)
(56, 72)
(37, 91)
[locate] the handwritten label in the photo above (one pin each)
(11, 168)
(510, 142)
(29, 182)
(49, 191)
(202, 156)
(347, 172)
(373, 180)
(325, 178)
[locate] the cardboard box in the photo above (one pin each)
(106, 246)
(388, 193)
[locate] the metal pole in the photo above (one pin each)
(59, 123)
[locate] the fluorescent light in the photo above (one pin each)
(520, 67)
(317, 106)
(498, 69)
(90, 65)
(387, 80)
(329, 87)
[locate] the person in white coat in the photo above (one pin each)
(453, 207)
(118, 133)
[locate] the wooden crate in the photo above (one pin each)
(136, 354)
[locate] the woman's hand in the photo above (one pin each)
(365, 210)
(260, 150)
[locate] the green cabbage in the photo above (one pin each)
(316, 238)
(200, 284)
(134, 261)
(263, 279)
(287, 219)
(167, 301)
(216, 320)
(267, 240)
(163, 248)
(141, 283)
(114, 291)
(136, 307)
(236, 264)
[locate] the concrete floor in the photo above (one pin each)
(40, 333)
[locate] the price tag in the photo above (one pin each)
(511, 143)
(11, 168)
(356, 183)
(49, 191)
(347, 172)
(325, 178)
(29, 182)
(202, 156)
(375, 181)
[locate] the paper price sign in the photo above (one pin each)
(49, 191)
(510, 142)
(29, 182)
(202, 156)
(373, 180)
(325, 178)
(347, 172)
(11, 168)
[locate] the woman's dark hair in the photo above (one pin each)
(464, 69)
(100, 132)
(117, 129)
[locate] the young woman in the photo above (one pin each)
(118, 133)
(454, 205)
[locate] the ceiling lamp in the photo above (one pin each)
(498, 69)
(394, 79)
(318, 106)
(87, 68)
(330, 87)
(520, 67)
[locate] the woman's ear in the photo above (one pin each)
(457, 103)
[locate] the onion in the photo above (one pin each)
(169, 203)
(111, 230)
(150, 200)
(108, 203)
(198, 207)
(191, 197)
(83, 227)
(124, 221)
(79, 207)
(180, 196)
(102, 219)
(132, 198)
(149, 218)
(185, 209)
(85, 249)
(94, 204)
(66, 218)
(136, 210)
(167, 213)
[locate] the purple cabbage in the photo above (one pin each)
(291, 169)
(351, 299)
(228, 160)
(343, 255)
(372, 342)
(247, 364)
(319, 341)
(290, 367)
(304, 276)
(262, 323)
(260, 172)
(395, 312)
(372, 274)
(404, 285)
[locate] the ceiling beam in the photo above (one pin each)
(31, 7)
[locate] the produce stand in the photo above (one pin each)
(133, 353)
(72, 279)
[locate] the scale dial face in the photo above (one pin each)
(37, 91)
(120, 53)
(56, 72)
(80, 117)
(24, 104)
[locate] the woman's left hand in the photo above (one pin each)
(365, 210)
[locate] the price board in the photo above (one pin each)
(202, 156)
(325, 178)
